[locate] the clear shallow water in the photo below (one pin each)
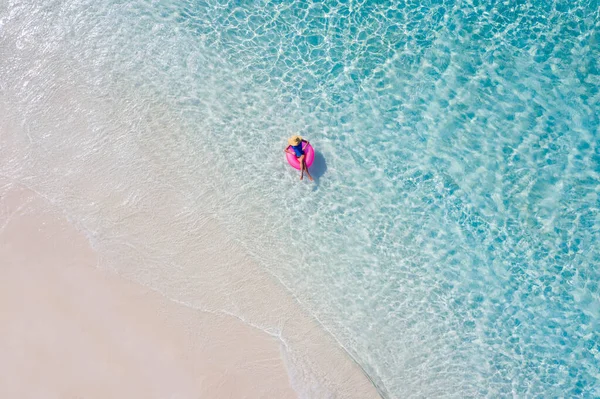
(450, 243)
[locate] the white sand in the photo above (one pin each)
(69, 329)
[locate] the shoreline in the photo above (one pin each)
(296, 357)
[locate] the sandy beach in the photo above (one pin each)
(70, 328)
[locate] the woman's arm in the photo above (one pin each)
(289, 152)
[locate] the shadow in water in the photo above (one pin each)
(318, 167)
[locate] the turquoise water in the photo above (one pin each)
(450, 242)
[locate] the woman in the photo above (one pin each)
(295, 148)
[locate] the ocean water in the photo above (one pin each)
(450, 241)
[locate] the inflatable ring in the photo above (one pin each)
(309, 157)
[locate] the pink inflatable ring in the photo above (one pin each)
(309, 156)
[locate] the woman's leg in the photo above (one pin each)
(306, 169)
(301, 160)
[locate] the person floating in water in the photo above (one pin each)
(295, 148)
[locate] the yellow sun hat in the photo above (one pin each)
(295, 140)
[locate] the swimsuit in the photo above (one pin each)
(298, 150)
